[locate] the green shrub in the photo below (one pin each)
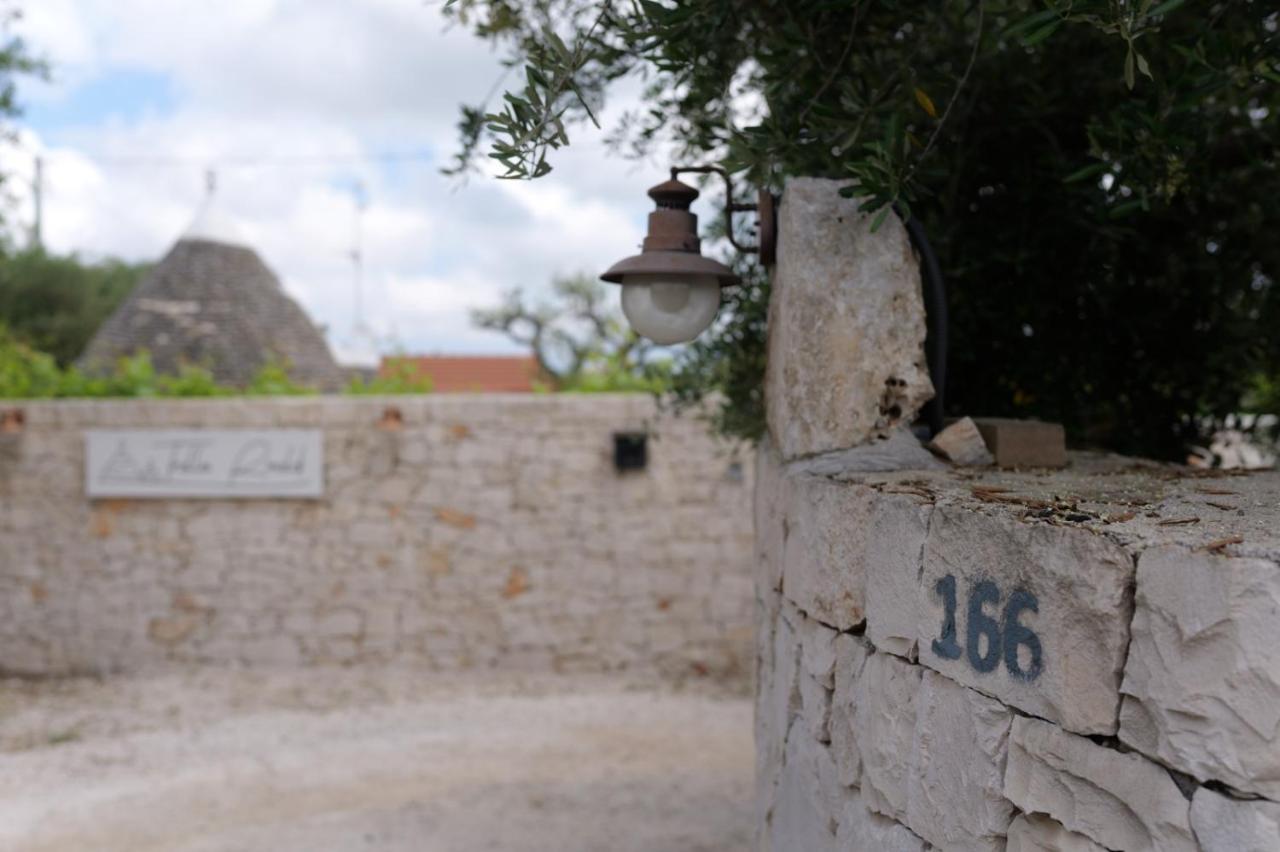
(615, 373)
(397, 376)
(272, 379)
(25, 372)
(57, 303)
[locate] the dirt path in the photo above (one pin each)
(383, 761)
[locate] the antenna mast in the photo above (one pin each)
(37, 194)
(357, 257)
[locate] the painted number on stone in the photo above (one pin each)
(987, 642)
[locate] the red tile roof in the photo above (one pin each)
(468, 374)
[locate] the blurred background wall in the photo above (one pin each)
(456, 532)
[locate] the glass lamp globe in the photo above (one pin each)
(670, 292)
(670, 309)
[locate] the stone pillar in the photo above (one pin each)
(1084, 659)
(846, 374)
(846, 358)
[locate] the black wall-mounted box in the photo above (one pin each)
(630, 451)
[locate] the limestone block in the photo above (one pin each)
(846, 325)
(340, 650)
(1202, 685)
(884, 724)
(778, 702)
(862, 829)
(279, 651)
(175, 628)
(895, 551)
(955, 789)
(815, 707)
(932, 753)
(1121, 801)
(817, 661)
(343, 622)
(380, 621)
(1032, 614)
(1234, 825)
(962, 444)
(817, 649)
(1039, 833)
(851, 657)
(770, 499)
(809, 800)
(825, 552)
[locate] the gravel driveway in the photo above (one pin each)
(345, 760)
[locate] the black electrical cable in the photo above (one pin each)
(935, 306)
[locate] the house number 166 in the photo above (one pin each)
(1003, 637)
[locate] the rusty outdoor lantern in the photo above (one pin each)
(670, 292)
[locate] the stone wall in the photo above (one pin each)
(969, 659)
(455, 532)
(1055, 661)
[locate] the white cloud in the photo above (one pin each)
(284, 82)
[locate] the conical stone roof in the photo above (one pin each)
(212, 302)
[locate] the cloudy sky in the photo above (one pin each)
(300, 106)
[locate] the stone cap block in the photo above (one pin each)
(1135, 503)
(961, 443)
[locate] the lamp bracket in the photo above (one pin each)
(766, 209)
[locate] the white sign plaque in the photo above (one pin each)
(204, 463)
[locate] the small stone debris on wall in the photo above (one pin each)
(1083, 659)
(454, 532)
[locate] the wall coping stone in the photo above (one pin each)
(1137, 504)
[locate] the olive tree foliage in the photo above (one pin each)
(16, 62)
(1098, 177)
(51, 303)
(579, 339)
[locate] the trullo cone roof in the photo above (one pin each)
(212, 302)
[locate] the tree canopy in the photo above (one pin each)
(56, 303)
(1098, 177)
(16, 62)
(579, 340)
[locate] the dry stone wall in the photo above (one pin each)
(455, 531)
(1019, 660)
(973, 659)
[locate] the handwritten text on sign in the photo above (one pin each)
(204, 463)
